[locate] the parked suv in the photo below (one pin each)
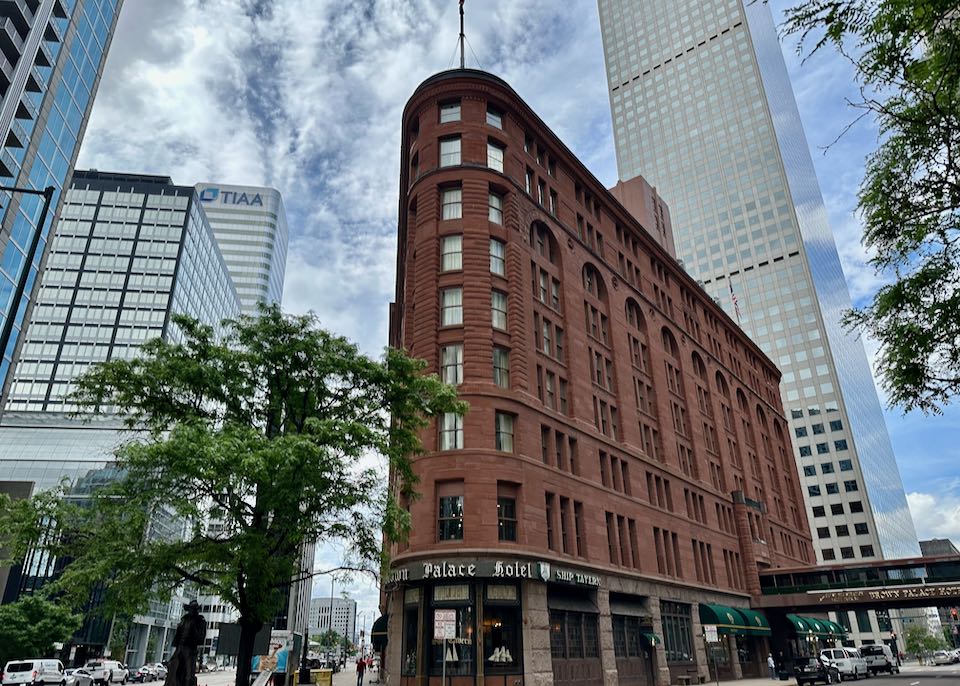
(107, 672)
(849, 663)
(34, 672)
(879, 658)
(810, 670)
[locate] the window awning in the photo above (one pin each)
(727, 619)
(378, 633)
(759, 626)
(813, 626)
(819, 627)
(800, 627)
(651, 638)
(836, 629)
(628, 607)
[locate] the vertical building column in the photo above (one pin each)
(699, 645)
(734, 656)
(537, 663)
(661, 672)
(608, 658)
(392, 660)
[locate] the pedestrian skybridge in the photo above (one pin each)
(910, 582)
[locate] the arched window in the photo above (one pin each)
(699, 368)
(704, 401)
(762, 417)
(637, 337)
(593, 283)
(635, 316)
(543, 243)
(722, 387)
(545, 266)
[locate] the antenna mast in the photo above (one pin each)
(462, 64)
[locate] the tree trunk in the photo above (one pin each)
(248, 633)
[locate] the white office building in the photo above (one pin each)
(250, 226)
(703, 108)
(344, 616)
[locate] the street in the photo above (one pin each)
(347, 677)
(910, 675)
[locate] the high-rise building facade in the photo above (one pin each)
(344, 616)
(128, 251)
(251, 229)
(624, 469)
(702, 106)
(52, 53)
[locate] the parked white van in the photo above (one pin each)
(848, 662)
(33, 672)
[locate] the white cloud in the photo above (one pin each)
(936, 515)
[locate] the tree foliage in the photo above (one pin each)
(330, 638)
(906, 55)
(254, 447)
(30, 626)
(920, 640)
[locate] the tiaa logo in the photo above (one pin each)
(209, 194)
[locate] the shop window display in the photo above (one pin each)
(410, 633)
(459, 653)
(502, 649)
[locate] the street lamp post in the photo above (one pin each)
(21, 285)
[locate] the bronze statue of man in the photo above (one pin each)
(190, 633)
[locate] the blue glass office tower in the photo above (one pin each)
(51, 56)
(703, 108)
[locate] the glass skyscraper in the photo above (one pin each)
(251, 229)
(702, 106)
(51, 56)
(128, 252)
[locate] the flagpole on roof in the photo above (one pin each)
(462, 61)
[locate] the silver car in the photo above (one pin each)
(78, 677)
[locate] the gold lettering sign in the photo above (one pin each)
(501, 592)
(452, 592)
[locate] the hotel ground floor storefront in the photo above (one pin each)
(524, 622)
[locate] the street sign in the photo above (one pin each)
(444, 624)
(710, 633)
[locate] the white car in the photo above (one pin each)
(849, 663)
(106, 672)
(34, 672)
(942, 657)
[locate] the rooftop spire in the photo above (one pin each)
(462, 37)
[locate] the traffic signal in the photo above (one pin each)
(953, 613)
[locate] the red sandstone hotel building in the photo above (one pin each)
(623, 470)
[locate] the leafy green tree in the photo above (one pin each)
(269, 432)
(920, 640)
(329, 638)
(30, 626)
(906, 56)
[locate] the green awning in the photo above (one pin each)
(835, 628)
(378, 633)
(759, 626)
(799, 625)
(819, 626)
(727, 619)
(651, 638)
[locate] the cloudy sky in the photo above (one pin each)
(306, 96)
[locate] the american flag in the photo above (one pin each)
(733, 299)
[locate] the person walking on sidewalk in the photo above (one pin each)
(361, 668)
(772, 666)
